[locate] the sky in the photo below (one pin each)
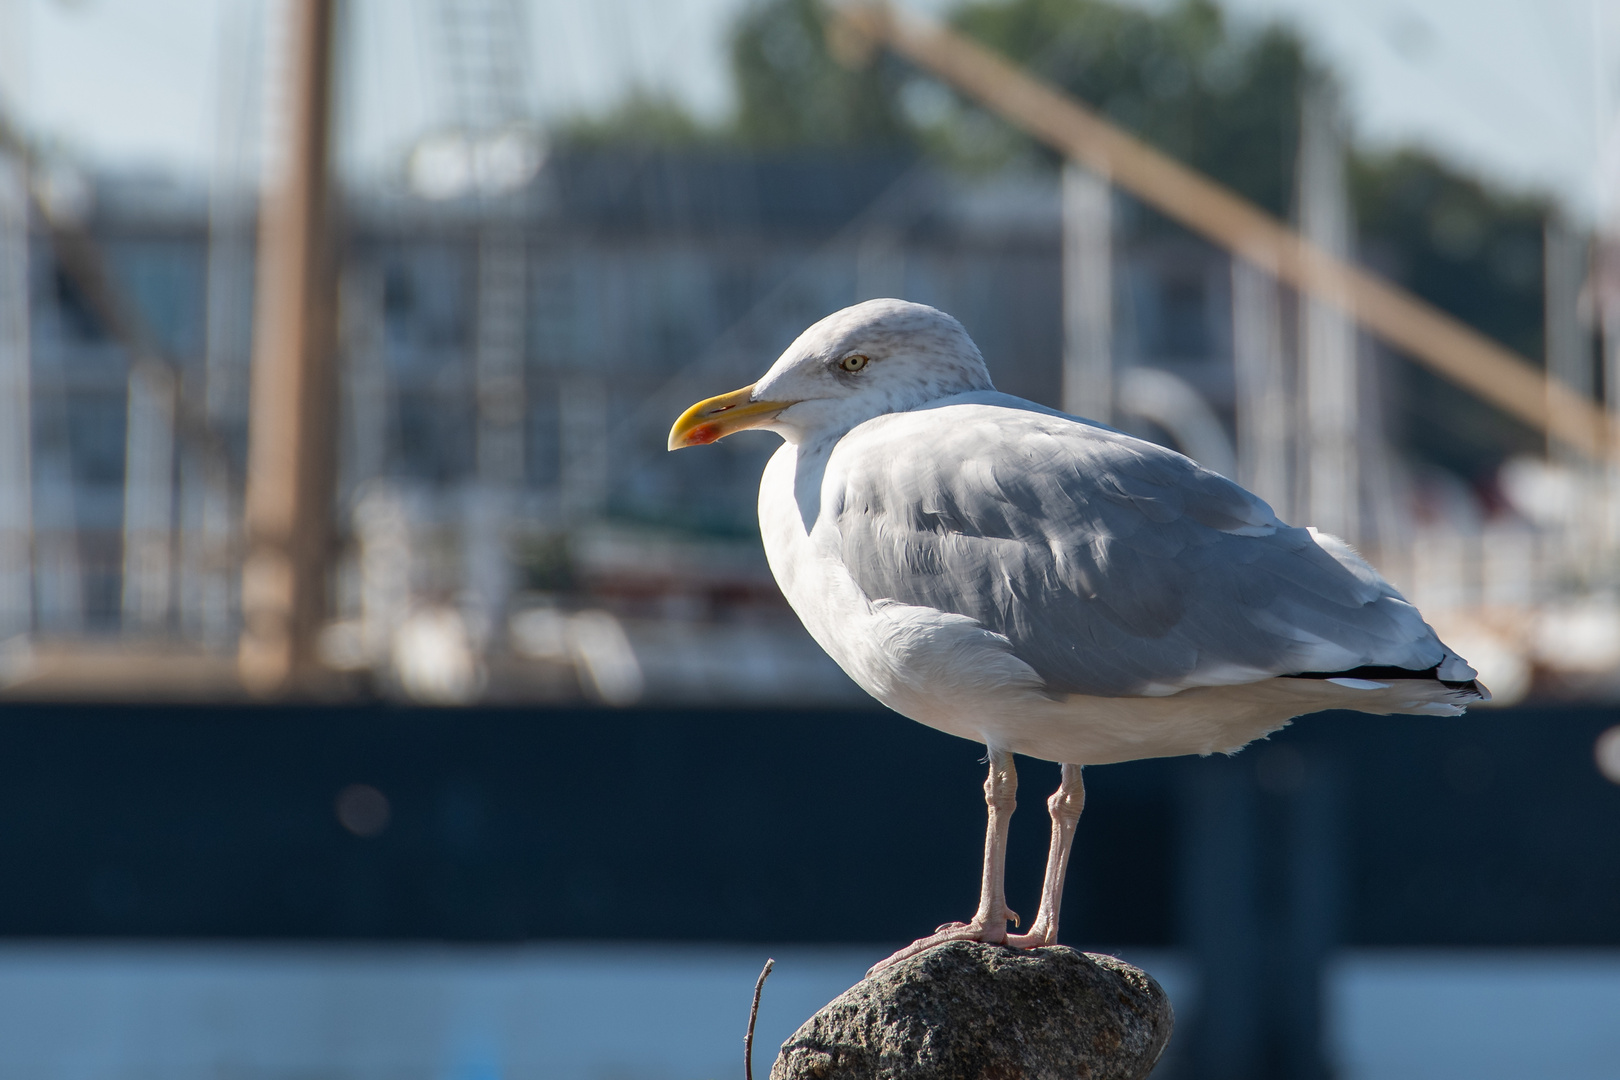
(1522, 92)
(1526, 92)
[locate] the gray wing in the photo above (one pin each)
(1114, 566)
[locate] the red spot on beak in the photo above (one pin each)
(703, 434)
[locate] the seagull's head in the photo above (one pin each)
(881, 356)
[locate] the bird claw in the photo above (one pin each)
(1011, 917)
(1038, 938)
(990, 931)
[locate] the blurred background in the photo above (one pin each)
(378, 697)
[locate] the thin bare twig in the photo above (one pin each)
(753, 1015)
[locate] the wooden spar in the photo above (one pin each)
(1444, 344)
(288, 519)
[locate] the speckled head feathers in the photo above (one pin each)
(914, 354)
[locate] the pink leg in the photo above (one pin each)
(1065, 806)
(990, 921)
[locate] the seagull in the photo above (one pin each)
(1046, 585)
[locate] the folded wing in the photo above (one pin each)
(1112, 565)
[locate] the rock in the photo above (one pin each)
(967, 1011)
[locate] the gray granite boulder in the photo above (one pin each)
(966, 1011)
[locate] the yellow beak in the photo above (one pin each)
(717, 417)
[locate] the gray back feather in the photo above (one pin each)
(1114, 566)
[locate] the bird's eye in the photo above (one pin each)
(853, 362)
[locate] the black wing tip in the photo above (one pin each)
(1377, 673)
(1386, 672)
(1462, 694)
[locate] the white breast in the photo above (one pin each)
(935, 667)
